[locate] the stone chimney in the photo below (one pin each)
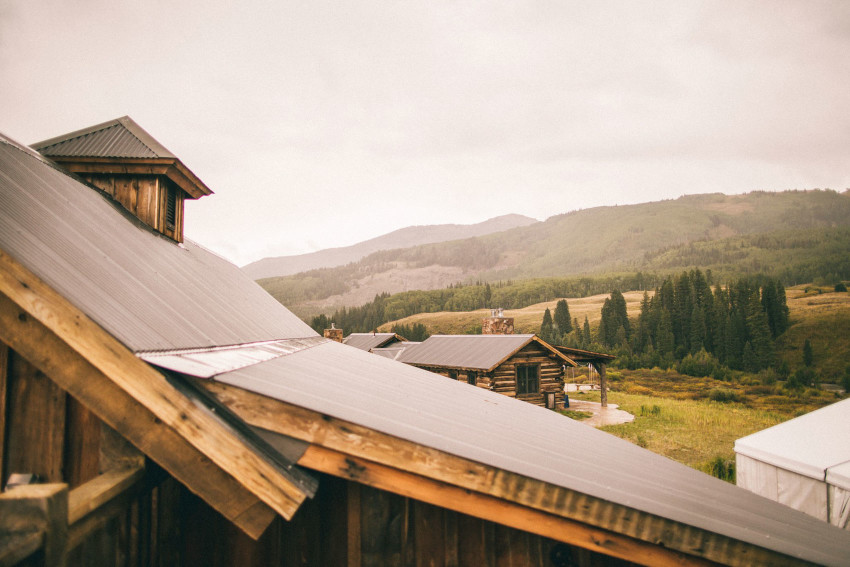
(333, 334)
(128, 164)
(497, 323)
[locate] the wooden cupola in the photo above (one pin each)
(121, 159)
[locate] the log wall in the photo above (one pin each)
(503, 379)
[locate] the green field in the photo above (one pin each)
(696, 420)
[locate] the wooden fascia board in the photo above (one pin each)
(555, 351)
(491, 508)
(170, 167)
(446, 367)
(138, 402)
(364, 443)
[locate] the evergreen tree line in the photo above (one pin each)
(735, 325)
(469, 297)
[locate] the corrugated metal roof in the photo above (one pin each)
(145, 289)
(155, 295)
(481, 352)
(486, 427)
(791, 445)
(207, 362)
(366, 341)
(119, 138)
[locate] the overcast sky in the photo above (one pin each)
(324, 123)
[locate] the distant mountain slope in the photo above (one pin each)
(658, 236)
(402, 238)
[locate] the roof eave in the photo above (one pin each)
(172, 168)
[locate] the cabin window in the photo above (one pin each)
(471, 377)
(527, 379)
(170, 207)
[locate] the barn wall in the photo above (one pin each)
(45, 431)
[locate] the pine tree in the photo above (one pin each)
(547, 330)
(697, 339)
(808, 355)
(563, 321)
(665, 342)
(585, 335)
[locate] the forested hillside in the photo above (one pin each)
(795, 236)
(402, 238)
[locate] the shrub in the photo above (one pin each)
(805, 377)
(840, 287)
(723, 395)
(700, 364)
(646, 410)
(768, 376)
(722, 469)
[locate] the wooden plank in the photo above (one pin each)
(450, 537)
(353, 533)
(429, 536)
(482, 506)
(87, 498)
(82, 444)
(98, 502)
(100, 372)
(36, 422)
(16, 548)
(4, 371)
(42, 508)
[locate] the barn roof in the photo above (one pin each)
(367, 341)
(57, 228)
(813, 445)
(148, 291)
(474, 352)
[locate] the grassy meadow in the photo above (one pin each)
(696, 420)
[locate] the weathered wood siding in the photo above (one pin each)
(144, 197)
(153, 519)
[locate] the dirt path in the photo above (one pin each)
(601, 416)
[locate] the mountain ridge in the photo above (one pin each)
(402, 238)
(707, 230)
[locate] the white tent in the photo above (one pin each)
(803, 463)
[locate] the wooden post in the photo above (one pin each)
(603, 383)
(37, 508)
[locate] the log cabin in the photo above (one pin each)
(171, 412)
(520, 366)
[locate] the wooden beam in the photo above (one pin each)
(38, 508)
(603, 382)
(90, 496)
(4, 373)
(93, 504)
(136, 400)
(364, 443)
(486, 507)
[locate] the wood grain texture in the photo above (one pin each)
(357, 441)
(134, 399)
(36, 422)
(522, 518)
(4, 372)
(41, 508)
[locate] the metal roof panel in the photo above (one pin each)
(464, 351)
(119, 138)
(148, 291)
(503, 432)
